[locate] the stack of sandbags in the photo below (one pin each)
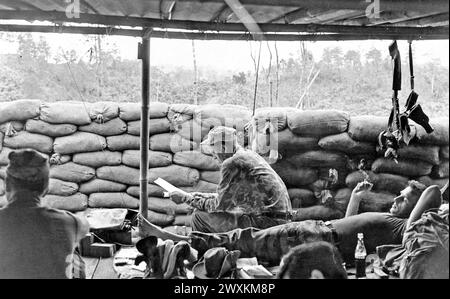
(94, 150)
(173, 135)
(424, 160)
(211, 116)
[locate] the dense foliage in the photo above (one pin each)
(347, 81)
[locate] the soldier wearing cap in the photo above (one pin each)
(250, 193)
(36, 242)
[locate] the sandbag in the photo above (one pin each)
(191, 130)
(294, 175)
(206, 149)
(113, 201)
(72, 172)
(101, 186)
(156, 159)
(429, 154)
(74, 203)
(161, 205)
(159, 219)
(427, 181)
(123, 142)
(98, 159)
(321, 190)
(302, 198)
(341, 175)
(440, 136)
(370, 201)
(321, 159)
(323, 213)
(211, 116)
(61, 188)
(52, 130)
(344, 143)
(408, 168)
(113, 127)
(288, 141)
(129, 111)
(440, 171)
(196, 160)
(2, 187)
(76, 113)
(79, 142)
(19, 110)
(376, 202)
(57, 159)
(383, 182)
(183, 220)
(171, 143)
(25, 140)
(276, 115)
(152, 190)
(132, 111)
(356, 162)
(179, 176)
(102, 112)
(11, 128)
(156, 126)
(202, 186)
(341, 199)
(4, 153)
(180, 113)
(211, 176)
(3, 201)
(367, 127)
(318, 122)
(120, 174)
(443, 153)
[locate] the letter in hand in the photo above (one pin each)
(178, 197)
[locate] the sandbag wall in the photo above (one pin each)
(94, 153)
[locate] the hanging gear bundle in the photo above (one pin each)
(400, 132)
(413, 110)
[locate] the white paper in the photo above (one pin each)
(245, 262)
(167, 186)
(258, 270)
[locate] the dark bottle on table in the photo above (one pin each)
(360, 257)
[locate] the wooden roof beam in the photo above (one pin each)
(433, 20)
(88, 7)
(223, 14)
(18, 4)
(166, 9)
(384, 18)
(58, 17)
(387, 5)
(212, 36)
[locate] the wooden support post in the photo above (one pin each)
(144, 55)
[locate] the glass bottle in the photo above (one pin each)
(360, 257)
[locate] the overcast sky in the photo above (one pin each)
(232, 56)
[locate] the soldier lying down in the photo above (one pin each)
(269, 245)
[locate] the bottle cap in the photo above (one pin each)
(360, 236)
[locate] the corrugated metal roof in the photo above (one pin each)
(222, 14)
